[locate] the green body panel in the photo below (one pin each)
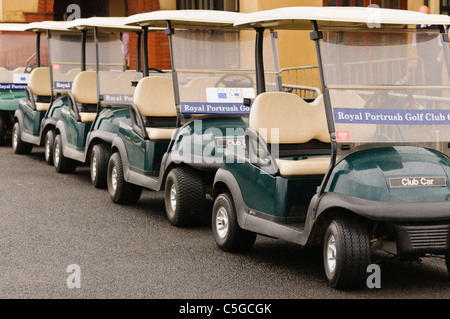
(9, 100)
(110, 119)
(76, 132)
(273, 195)
(366, 174)
(144, 155)
(199, 140)
(32, 119)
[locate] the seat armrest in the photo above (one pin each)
(259, 153)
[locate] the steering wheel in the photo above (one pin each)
(156, 69)
(29, 68)
(235, 80)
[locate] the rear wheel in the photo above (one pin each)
(120, 191)
(184, 196)
(99, 165)
(49, 143)
(229, 236)
(346, 253)
(62, 164)
(18, 145)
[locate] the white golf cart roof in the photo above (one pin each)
(113, 24)
(48, 25)
(300, 17)
(13, 26)
(185, 18)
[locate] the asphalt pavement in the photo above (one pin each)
(60, 238)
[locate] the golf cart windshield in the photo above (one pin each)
(65, 57)
(216, 70)
(388, 86)
(18, 58)
(117, 84)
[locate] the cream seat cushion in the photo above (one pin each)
(309, 166)
(41, 107)
(87, 117)
(160, 133)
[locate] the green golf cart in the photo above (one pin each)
(17, 58)
(181, 126)
(47, 88)
(365, 165)
(98, 99)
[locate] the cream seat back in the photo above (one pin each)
(295, 120)
(84, 91)
(285, 118)
(195, 89)
(39, 82)
(154, 97)
(6, 76)
(39, 85)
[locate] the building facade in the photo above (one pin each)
(39, 10)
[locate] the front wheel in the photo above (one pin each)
(184, 196)
(120, 191)
(227, 232)
(346, 253)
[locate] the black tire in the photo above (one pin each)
(346, 253)
(99, 165)
(49, 144)
(62, 164)
(184, 197)
(120, 191)
(447, 261)
(228, 234)
(3, 130)
(18, 145)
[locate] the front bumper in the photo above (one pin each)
(418, 240)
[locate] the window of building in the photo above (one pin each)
(225, 5)
(445, 6)
(391, 4)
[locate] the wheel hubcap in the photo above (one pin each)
(57, 155)
(47, 148)
(331, 253)
(114, 178)
(173, 197)
(94, 167)
(222, 222)
(15, 139)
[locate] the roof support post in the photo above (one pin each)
(259, 61)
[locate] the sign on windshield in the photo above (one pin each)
(387, 86)
(216, 70)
